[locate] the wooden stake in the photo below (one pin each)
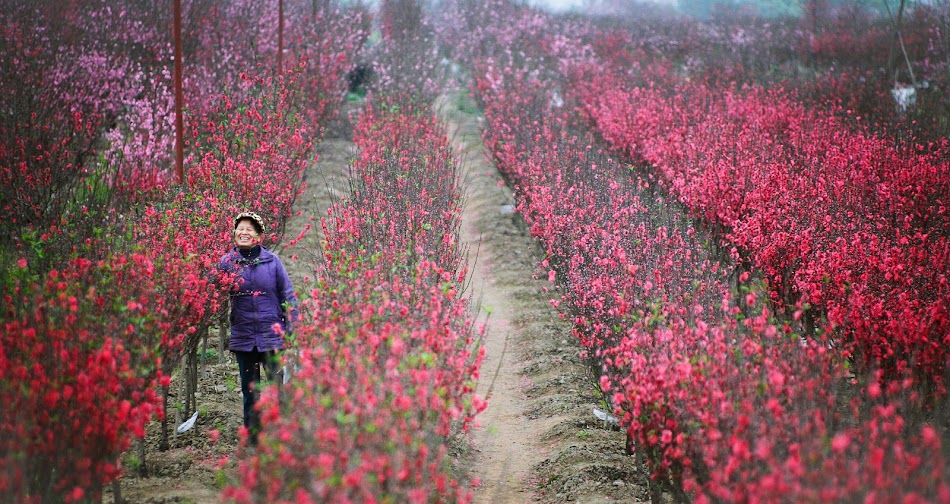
(179, 121)
(280, 35)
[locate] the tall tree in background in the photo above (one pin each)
(812, 13)
(897, 45)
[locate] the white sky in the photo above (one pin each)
(557, 5)
(565, 5)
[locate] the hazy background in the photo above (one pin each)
(582, 5)
(702, 8)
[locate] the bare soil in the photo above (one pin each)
(538, 440)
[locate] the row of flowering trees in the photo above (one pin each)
(108, 277)
(388, 352)
(838, 219)
(836, 215)
(846, 55)
(727, 390)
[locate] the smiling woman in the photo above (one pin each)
(263, 307)
(248, 231)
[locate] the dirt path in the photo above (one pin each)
(506, 441)
(326, 184)
(538, 440)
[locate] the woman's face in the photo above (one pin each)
(245, 236)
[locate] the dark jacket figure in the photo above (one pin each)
(263, 308)
(262, 296)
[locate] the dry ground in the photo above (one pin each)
(538, 440)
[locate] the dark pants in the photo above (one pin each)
(249, 365)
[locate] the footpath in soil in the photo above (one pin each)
(538, 440)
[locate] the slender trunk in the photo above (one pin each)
(163, 442)
(653, 485)
(194, 381)
(204, 351)
(222, 335)
(185, 388)
(895, 44)
(191, 381)
(143, 467)
(117, 492)
(910, 69)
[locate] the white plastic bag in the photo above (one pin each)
(606, 417)
(187, 424)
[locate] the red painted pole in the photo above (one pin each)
(179, 121)
(280, 34)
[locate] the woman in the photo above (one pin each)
(263, 308)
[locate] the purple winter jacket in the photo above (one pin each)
(258, 297)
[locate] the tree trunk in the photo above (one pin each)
(223, 334)
(194, 380)
(204, 352)
(143, 467)
(191, 381)
(895, 44)
(117, 492)
(163, 442)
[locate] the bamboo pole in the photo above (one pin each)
(179, 121)
(280, 35)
